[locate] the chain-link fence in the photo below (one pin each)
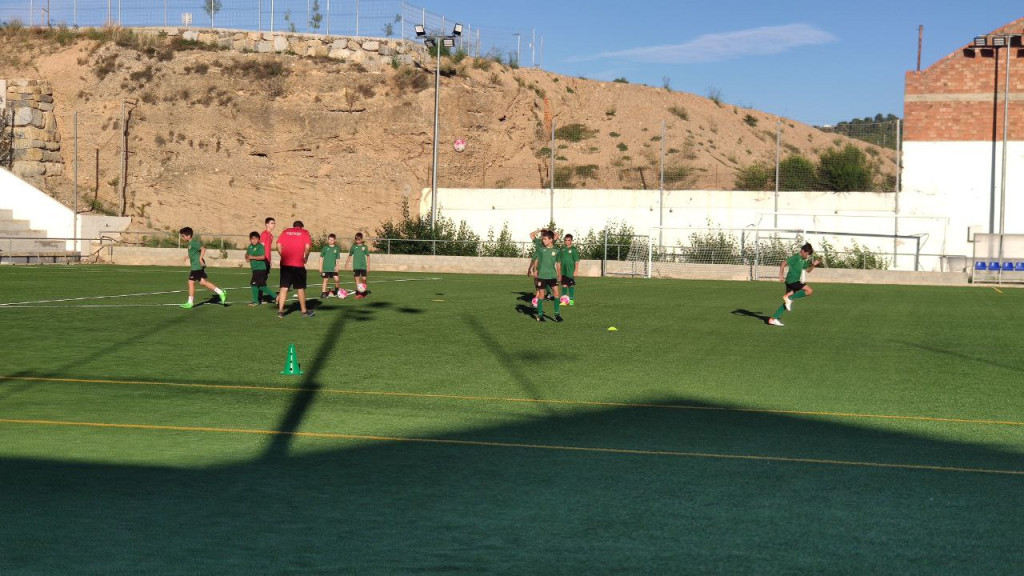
(681, 153)
(360, 18)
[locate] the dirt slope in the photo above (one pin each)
(219, 140)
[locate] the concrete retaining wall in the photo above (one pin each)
(135, 256)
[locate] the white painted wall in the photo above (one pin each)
(42, 212)
(579, 211)
(955, 178)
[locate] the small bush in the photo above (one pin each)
(622, 147)
(574, 132)
(680, 112)
(750, 120)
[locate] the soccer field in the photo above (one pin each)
(438, 428)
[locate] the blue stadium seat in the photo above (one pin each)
(1007, 266)
(979, 265)
(993, 266)
(1019, 267)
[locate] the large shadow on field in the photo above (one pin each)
(310, 385)
(955, 354)
(98, 355)
(592, 490)
(514, 365)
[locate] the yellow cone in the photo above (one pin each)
(291, 364)
(613, 329)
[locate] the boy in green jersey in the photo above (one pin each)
(791, 272)
(359, 255)
(256, 256)
(329, 265)
(545, 262)
(569, 257)
(197, 273)
(536, 237)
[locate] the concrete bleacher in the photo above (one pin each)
(20, 243)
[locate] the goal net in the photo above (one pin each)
(626, 256)
(756, 253)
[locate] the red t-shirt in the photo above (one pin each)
(292, 243)
(267, 239)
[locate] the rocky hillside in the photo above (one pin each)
(218, 139)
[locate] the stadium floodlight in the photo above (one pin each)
(993, 43)
(436, 42)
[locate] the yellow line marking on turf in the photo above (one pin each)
(997, 289)
(516, 400)
(492, 444)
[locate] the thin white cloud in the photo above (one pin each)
(761, 41)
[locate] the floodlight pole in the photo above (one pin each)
(437, 128)
(1006, 128)
(436, 41)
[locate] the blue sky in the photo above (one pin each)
(818, 62)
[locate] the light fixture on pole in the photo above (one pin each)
(436, 42)
(991, 44)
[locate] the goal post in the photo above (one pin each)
(626, 255)
(752, 253)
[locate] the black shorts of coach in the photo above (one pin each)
(541, 283)
(795, 287)
(293, 277)
(197, 275)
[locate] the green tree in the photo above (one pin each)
(758, 176)
(211, 7)
(796, 172)
(845, 169)
(415, 235)
(315, 17)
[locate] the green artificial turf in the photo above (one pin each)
(438, 428)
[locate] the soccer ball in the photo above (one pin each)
(564, 300)
(342, 293)
(459, 145)
(361, 287)
(534, 302)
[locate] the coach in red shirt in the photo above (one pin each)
(294, 245)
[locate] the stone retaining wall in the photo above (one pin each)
(36, 138)
(370, 52)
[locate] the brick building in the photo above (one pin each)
(953, 135)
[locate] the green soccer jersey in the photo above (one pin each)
(359, 253)
(195, 253)
(569, 257)
(258, 260)
(546, 259)
(329, 258)
(797, 265)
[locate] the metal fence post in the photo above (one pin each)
(551, 215)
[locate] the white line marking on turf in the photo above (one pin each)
(39, 303)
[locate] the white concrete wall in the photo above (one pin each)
(579, 211)
(955, 178)
(42, 212)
